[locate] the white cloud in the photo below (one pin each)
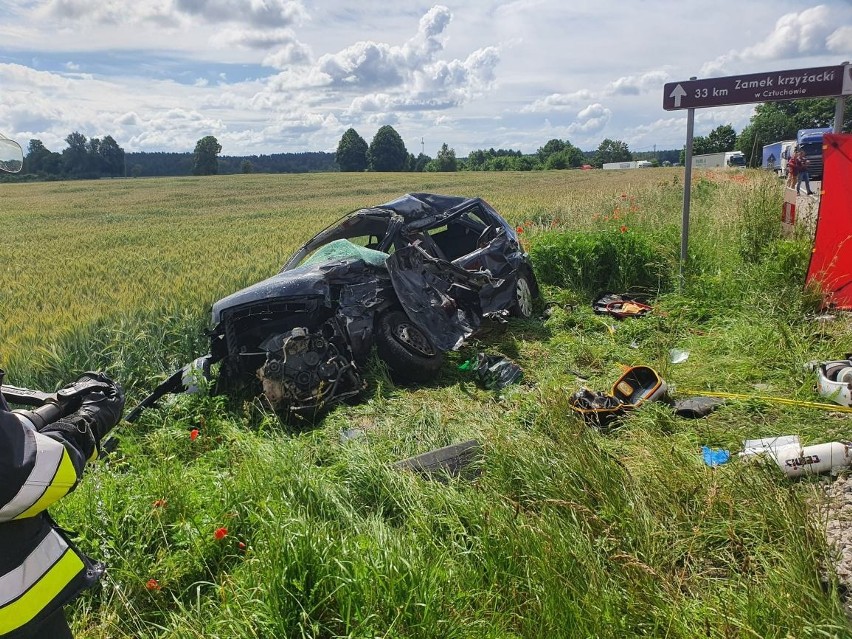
(287, 55)
(558, 102)
(260, 13)
(501, 73)
(253, 38)
(634, 85)
(840, 41)
(376, 64)
(810, 32)
(591, 119)
(110, 12)
(16, 76)
(130, 118)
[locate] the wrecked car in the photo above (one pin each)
(413, 277)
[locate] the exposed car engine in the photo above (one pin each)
(304, 370)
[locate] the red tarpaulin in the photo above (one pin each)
(831, 260)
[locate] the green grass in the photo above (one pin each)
(565, 532)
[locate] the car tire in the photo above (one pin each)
(522, 304)
(406, 349)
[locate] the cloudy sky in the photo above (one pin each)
(271, 76)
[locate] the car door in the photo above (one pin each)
(442, 299)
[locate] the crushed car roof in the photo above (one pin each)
(414, 206)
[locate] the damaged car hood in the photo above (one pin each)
(305, 281)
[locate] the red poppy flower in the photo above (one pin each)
(220, 533)
(193, 434)
(152, 584)
(623, 228)
(520, 229)
(159, 503)
(241, 546)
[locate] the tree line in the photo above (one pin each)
(102, 157)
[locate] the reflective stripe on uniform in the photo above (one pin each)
(52, 476)
(29, 588)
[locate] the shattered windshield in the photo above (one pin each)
(365, 228)
(341, 250)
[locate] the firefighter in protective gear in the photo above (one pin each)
(40, 462)
(40, 568)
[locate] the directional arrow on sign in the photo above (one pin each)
(677, 94)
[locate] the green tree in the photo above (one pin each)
(550, 148)
(75, 157)
(420, 162)
(246, 166)
(722, 138)
(476, 160)
(387, 151)
(351, 153)
(206, 156)
(110, 157)
(558, 160)
(611, 151)
(446, 159)
(37, 154)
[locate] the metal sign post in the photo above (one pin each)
(687, 189)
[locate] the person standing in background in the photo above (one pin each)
(802, 172)
(792, 170)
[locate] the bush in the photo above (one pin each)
(760, 222)
(616, 259)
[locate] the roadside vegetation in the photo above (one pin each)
(218, 520)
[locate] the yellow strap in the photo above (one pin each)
(21, 611)
(772, 400)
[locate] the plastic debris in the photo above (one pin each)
(696, 407)
(715, 456)
(834, 381)
(494, 372)
(597, 408)
(770, 445)
(637, 385)
(678, 356)
(451, 461)
(350, 434)
(621, 306)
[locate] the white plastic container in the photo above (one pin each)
(770, 445)
(812, 460)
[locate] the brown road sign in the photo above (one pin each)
(816, 82)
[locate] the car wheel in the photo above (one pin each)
(406, 349)
(522, 305)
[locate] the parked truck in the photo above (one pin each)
(810, 140)
(775, 156)
(726, 159)
(620, 165)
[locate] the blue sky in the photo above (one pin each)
(269, 76)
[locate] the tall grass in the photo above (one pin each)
(564, 531)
